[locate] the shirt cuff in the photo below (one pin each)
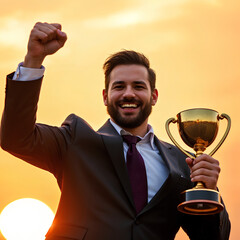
(28, 74)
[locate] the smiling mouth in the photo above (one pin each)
(128, 105)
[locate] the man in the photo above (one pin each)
(102, 195)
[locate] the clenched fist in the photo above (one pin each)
(45, 39)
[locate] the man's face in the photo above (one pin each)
(129, 98)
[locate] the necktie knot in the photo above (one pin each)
(129, 139)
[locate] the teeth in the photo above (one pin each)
(127, 105)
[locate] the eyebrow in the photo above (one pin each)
(117, 82)
(134, 82)
(140, 82)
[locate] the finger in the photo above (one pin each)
(52, 26)
(205, 172)
(49, 30)
(38, 35)
(206, 165)
(205, 157)
(57, 25)
(49, 25)
(61, 37)
(189, 162)
(42, 26)
(208, 181)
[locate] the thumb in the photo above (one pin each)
(57, 25)
(189, 162)
(61, 37)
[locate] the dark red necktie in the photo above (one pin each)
(137, 172)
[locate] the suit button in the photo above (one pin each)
(136, 221)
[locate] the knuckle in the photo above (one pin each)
(46, 24)
(58, 25)
(50, 31)
(33, 31)
(213, 179)
(204, 164)
(38, 24)
(218, 169)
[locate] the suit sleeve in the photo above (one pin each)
(38, 144)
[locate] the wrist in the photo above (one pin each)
(31, 62)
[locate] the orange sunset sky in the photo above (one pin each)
(193, 45)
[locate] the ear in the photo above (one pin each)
(154, 97)
(104, 93)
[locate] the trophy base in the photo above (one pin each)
(200, 202)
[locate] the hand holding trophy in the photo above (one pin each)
(198, 129)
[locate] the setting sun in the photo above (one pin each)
(25, 219)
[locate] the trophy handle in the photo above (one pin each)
(174, 120)
(222, 116)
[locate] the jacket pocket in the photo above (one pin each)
(66, 231)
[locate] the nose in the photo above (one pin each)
(129, 92)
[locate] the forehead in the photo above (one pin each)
(129, 73)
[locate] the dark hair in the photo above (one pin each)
(127, 57)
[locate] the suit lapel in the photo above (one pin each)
(114, 146)
(167, 153)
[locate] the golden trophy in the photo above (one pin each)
(198, 129)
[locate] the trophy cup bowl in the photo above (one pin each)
(198, 128)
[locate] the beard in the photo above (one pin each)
(129, 121)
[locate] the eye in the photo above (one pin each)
(139, 87)
(118, 87)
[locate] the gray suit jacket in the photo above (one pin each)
(96, 200)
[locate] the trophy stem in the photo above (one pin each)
(199, 149)
(199, 185)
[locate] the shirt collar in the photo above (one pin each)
(148, 138)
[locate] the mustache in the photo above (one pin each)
(128, 100)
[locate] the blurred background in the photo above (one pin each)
(193, 45)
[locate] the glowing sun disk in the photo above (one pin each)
(26, 219)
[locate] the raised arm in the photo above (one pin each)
(38, 144)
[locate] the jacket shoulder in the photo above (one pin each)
(77, 128)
